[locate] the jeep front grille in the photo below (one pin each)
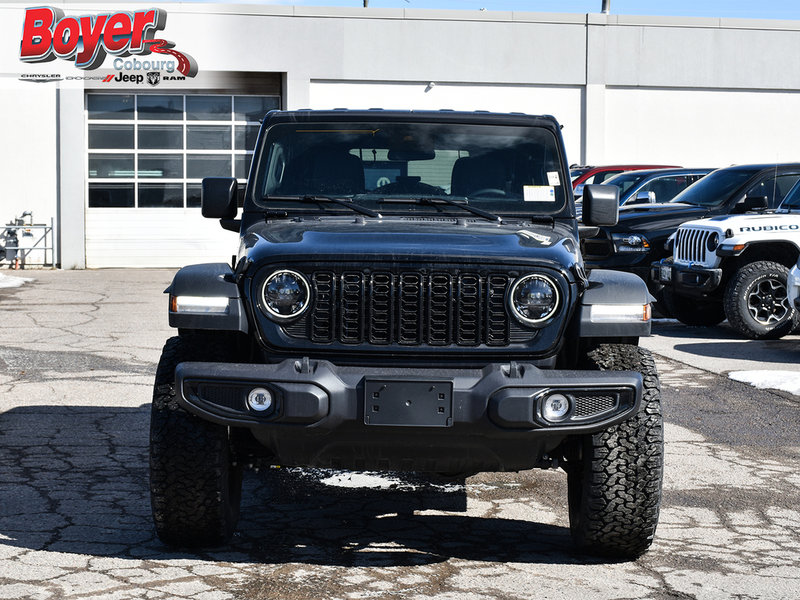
(410, 308)
(690, 245)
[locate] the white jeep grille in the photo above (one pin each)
(691, 246)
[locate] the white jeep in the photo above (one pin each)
(735, 267)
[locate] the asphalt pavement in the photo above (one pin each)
(77, 355)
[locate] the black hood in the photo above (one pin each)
(654, 217)
(409, 239)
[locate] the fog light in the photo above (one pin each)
(555, 407)
(259, 399)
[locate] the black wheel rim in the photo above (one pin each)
(768, 302)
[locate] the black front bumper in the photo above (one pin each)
(687, 280)
(444, 420)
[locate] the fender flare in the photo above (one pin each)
(211, 280)
(610, 288)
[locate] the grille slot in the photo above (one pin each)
(410, 307)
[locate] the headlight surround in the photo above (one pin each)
(630, 242)
(534, 298)
(285, 294)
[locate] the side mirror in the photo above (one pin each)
(218, 197)
(754, 203)
(645, 198)
(600, 205)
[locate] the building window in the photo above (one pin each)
(152, 151)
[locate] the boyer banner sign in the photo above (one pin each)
(87, 40)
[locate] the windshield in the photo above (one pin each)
(715, 188)
(625, 181)
(502, 169)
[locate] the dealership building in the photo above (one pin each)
(114, 155)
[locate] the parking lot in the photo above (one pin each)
(77, 355)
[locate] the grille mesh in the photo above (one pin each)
(588, 406)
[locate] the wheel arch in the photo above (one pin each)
(780, 251)
(617, 289)
(211, 281)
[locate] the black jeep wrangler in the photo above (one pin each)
(408, 295)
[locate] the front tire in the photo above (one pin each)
(756, 301)
(195, 485)
(614, 484)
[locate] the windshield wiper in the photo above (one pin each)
(309, 199)
(434, 199)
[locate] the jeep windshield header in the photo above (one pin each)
(501, 169)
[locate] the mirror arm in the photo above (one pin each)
(231, 224)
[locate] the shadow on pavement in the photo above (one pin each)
(758, 351)
(74, 479)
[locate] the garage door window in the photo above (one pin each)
(152, 151)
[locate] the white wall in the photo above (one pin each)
(562, 102)
(698, 92)
(27, 152)
(701, 128)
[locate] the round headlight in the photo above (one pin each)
(285, 294)
(712, 242)
(534, 298)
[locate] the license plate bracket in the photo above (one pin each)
(665, 273)
(408, 403)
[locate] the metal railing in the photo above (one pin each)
(39, 251)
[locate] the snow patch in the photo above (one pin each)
(9, 281)
(376, 480)
(361, 480)
(787, 381)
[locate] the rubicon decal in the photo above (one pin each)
(47, 34)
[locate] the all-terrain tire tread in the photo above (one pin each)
(193, 500)
(736, 288)
(622, 487)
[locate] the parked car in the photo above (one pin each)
(649, 186)
(586, 175)
(735, 267)
(639, 238)
(435, 318)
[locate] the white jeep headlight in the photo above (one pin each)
(534, 298)
(285, 294)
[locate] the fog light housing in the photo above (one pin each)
(555, 407)
(259, 399)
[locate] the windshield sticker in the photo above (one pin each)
(544, 240)
(539, 193)
(553, 178)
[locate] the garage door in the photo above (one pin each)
(146, 157)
